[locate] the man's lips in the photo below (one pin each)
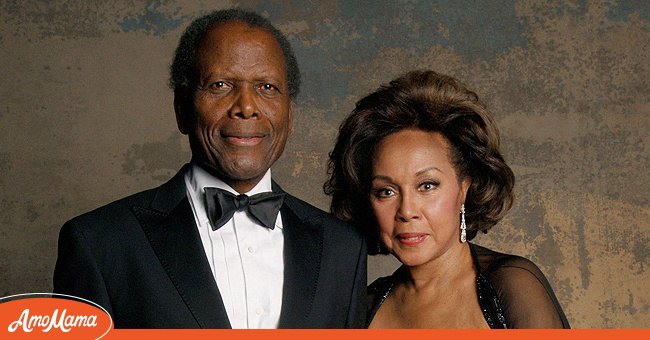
(411, 239)
(243, 139)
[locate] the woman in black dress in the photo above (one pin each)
(417, 166)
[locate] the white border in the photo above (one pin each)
(70, 296)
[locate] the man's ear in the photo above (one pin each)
(183, 113)
(291, 117)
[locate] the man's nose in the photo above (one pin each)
(244, 105)
(408, 208)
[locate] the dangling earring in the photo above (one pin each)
(463, 227)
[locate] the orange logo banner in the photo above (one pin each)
(51, 316)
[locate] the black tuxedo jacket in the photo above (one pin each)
(142, 259)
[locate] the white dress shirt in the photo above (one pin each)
(246, 259)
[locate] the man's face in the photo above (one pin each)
(242, 110)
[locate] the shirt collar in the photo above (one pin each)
(200, 178)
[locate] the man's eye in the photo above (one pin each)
(217, 85)
(267, 87)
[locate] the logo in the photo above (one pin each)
(40, 315)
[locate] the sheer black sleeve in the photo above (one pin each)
(526, 297)
(377, 293)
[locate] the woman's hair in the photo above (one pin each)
(432, 102)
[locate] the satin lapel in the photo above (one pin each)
(170, 227)
(303, 244)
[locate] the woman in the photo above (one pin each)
(417, 166)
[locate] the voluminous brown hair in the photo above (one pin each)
(431, 102)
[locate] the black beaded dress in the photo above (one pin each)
(512, 292)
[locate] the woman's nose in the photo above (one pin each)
(408, 208)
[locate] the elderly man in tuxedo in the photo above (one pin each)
(221, 245)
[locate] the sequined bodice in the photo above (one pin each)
(487, 298)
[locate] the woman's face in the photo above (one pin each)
(416, 196)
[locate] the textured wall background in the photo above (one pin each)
(86, 118)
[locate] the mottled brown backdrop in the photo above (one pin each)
(86, 118)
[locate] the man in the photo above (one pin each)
(195, 252)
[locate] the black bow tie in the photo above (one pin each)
(221, 206)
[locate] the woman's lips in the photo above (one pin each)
(411, 239)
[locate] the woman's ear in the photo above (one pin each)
(464, 187)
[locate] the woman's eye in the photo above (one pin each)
(428, 186)
(384, 192)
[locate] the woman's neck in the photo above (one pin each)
(455, 264)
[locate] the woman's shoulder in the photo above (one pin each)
(509, 272)
(492, 263)
(526, 295)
